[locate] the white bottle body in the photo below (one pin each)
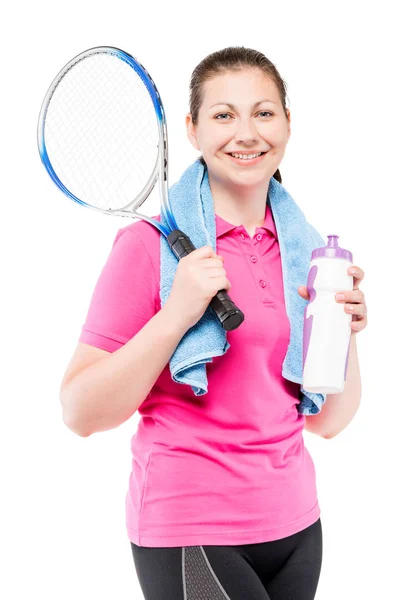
(327, 329)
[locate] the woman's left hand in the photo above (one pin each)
(353, 300)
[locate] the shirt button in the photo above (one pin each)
(263, 283)
(242, 236)
(259, 236)
(254, 259)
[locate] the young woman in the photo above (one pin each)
(222, 499)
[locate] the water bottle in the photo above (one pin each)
(327, 327)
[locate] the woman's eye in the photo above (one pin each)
(264, 112)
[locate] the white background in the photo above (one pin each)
(63, 497)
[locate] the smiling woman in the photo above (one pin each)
(222, 499)
(239, 121)
(240, 481)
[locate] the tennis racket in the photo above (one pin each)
(102, 137)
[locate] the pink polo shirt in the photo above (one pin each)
(229, 467)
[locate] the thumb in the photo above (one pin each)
(302, 289)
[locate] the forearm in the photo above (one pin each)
(108, 392)
(339, 409)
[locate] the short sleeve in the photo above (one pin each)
(125, 296)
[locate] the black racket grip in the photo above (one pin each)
(229, 315)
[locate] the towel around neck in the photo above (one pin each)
(193, 208)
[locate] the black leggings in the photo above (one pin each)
(285, 569)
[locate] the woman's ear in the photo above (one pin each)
(191, 131)
(289, 124)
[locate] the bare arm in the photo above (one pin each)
(107, 393)
(100, 391)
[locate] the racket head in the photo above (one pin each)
(102, 133)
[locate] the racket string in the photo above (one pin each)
(101, 132)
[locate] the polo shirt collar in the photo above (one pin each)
(223, 226)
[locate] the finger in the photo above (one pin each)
(358, 275)
(355, 309)
(303, 291)
(355, 296)
(358, 323)
(200, 253)
(213, 262)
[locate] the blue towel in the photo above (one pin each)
(193, 208)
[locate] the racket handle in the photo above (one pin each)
(229, 315)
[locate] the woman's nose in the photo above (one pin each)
(246, 131)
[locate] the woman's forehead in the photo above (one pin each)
(220, 88)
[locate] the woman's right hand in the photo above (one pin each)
(198, 278)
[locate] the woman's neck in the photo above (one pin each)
(240, 205)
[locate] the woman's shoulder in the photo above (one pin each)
(144, 231)
(138, 245)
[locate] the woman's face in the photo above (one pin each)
(254, 122)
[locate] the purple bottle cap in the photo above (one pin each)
(332, 250)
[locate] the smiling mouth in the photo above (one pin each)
(246, 159)
(245, 156)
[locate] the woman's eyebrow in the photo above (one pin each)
(233, 107)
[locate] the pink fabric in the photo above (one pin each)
(229, 467)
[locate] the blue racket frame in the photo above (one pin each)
(229, 315)
(161, 167)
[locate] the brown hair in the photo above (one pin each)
(233, 58)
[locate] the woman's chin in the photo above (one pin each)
(247, 179)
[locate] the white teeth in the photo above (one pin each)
(246, 156)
